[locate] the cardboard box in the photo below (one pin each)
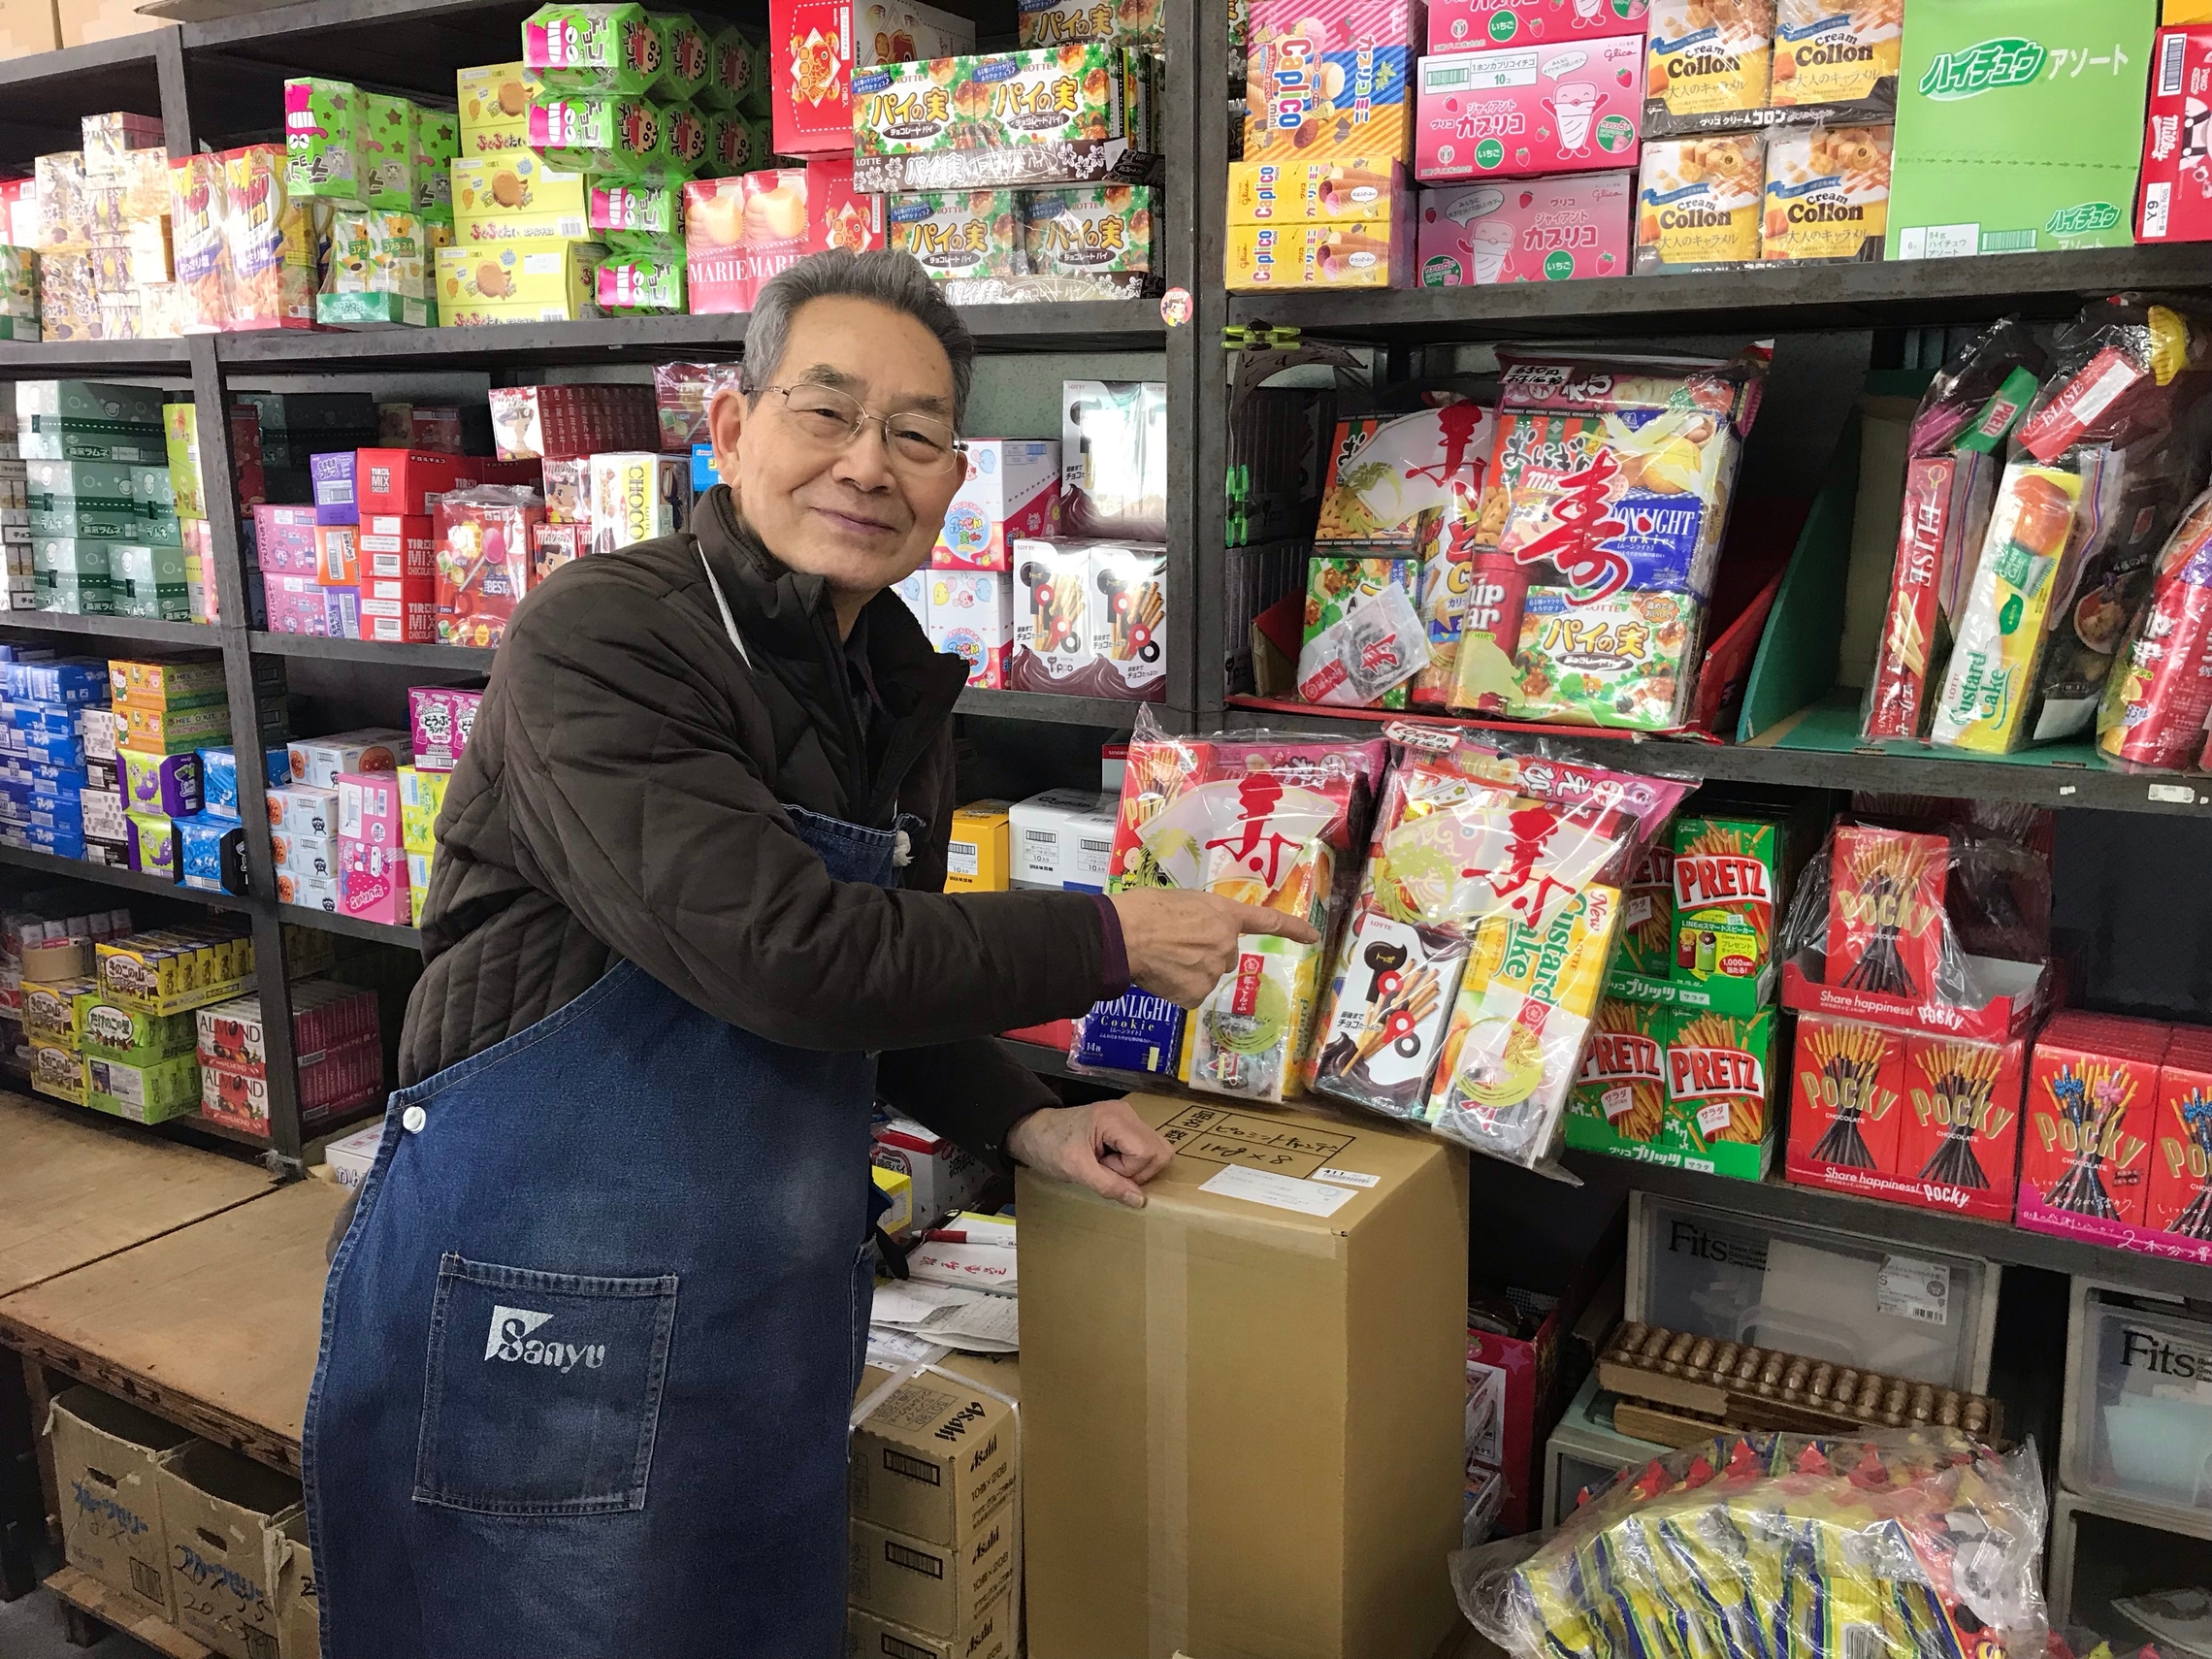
(1519, 112)
(316, 761)
(1011, 490)
(976, 859)
(2176, 203)
(1045, 834)
(945, 1178)
(1538, 230)
(939, 1589)
(83, 21)
(935, 1460)
(2027, 115)
(222, 1516)
(990, 1637)
(105, 1457)
(28, 26)
(1244, 1426)
(298, 1604)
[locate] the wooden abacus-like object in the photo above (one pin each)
(1747, 1387)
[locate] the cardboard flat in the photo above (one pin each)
(299, 1605)
(104, 1454)
(1244, 1405)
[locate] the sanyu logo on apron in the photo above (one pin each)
(591, 1340)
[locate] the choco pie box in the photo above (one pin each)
(1532, 230)
(1526, 111)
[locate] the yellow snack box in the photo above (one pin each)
(514, 197)
(1291, 192)
(1344, 253)
(1825, 53)
(59, 1072)
(516, 281)
(495, 108)
(977, 860)
(897, 1185)
(54, 1013)
(170, 971)
(1703, 57)
(1990, 685)
(1699, 200)
(1826, 192)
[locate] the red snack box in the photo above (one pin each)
(435, 427)
(325, 1015)
(1461, 25)
(1933, 515)
(837, 215)
(2175, 203)
(338, 557)
(397, 545)
(741, 231)
(400, 609)
(1846, 1106)
(483, 565)
(813, 48)
(440, 721)
(401, 481)
(2155, 702)
(1959, 1143)
(561, 422)
(296, 606)
(1885, 910)
(284, 540)
(525, 475)
(2180, 1196)
(2092, 1115)
(553, 545)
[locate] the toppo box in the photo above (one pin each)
(813, 45)
(1520, 111)
(1457, 25)
(1534, 230)
(2176, 201)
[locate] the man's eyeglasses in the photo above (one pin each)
(918, 445)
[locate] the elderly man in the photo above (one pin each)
(592, 1335)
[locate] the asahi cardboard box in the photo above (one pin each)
(104, 1456)
(222, 1516)
(1244, 1404)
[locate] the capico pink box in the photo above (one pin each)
(368, 808)
(442, 718)
(1526, 230)
(1011, 490)
(1524, 111)
(971, 615)
(1457, 25)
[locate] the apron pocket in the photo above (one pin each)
(543, 1392)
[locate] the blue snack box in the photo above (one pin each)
(1136, 1032)
(71, 682)
(61, 843)
(43, 813)
(61, 783)
(703, 474)
(218, 778)
(200, 849)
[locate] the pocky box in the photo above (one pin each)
(1455, 24)
(1699, 205)
(2179, 1201)
(1328, 79)
(2091, 1117)
(958, 233)
(1885, 911)
(1706, 63)
(1535, 230)
(1524, 111)
(1827, 193)
(1959, 1134)
(1847, 1103)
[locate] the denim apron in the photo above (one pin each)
(590, 1343)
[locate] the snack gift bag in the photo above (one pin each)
(1600, 527)
(1469, 969)
(1363, 636)
(484, 537)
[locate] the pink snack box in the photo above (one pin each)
(1522, 111)
(296, 606)
(372, 880)
(1460, 25)
(971, 615)
(284, 540)
(441, 718)
(1527, 230)
(368, 808)
(1011, 490)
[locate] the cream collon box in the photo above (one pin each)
(1700, 201)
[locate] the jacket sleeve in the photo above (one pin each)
(636, 805)
(971, 1093)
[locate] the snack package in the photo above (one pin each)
(1826, 192)
(1827, 54)
(959, 233)
(1471, 968)
(1545, 108)
(1363, 636)
(1055, 22)
(1399, 480)
(1706, 64)
(1079, 229)
(1330, 79)
(1543, 230)
(483, 560)
(1065, 116)
(1918, 1543)
(268, 244)
(1114, 459)
(593, 48)
(2160, 692)
(1260, 817)
(1950, 483)
(1698, 204)
(1600, 524)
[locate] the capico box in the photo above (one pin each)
(1457, 25)
(1229, 1298)
(1267, 192)
(1355, 254)
(2027, 115)
(1328, 79)
(104, 1456)
(1535, 230)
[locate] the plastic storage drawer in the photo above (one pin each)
(1905, 1310)
(1585, 1450)
(2139, 1424)
(2104, 1552)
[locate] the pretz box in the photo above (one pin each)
(1012, 489)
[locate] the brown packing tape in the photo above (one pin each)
(1167, 1441)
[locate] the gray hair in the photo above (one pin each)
(891, 278)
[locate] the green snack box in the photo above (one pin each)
(736, 142)
(92, 482)
(1647, 919)
(91, 521)
(958, 233)
(21, 328)
(150, 1093)
(323, 140)
(153, 487)
(593, 48)
(1621, 1090)
(74, 595)
(2019, 126)
(115, 1032)
(640, 283)
(141, 567)
(627, 136)
(1336, 583)
(1729, 874)
(437, 144)
(687, 57)
(1718, 1115)
(1079, 229)
(738, 74)
(374, 311)
(623, 209)
(641, 245)
(68, 556)
(95, 402)
(387, 128)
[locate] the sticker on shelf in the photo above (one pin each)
(2172, 794)
(1910, 1288)
(1175, 307)
(1278, 1191)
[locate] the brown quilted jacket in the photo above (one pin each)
(620, 798)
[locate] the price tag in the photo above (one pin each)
(1910, 1288)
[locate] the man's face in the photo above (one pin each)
(850, 513)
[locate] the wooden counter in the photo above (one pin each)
(213, 1327)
